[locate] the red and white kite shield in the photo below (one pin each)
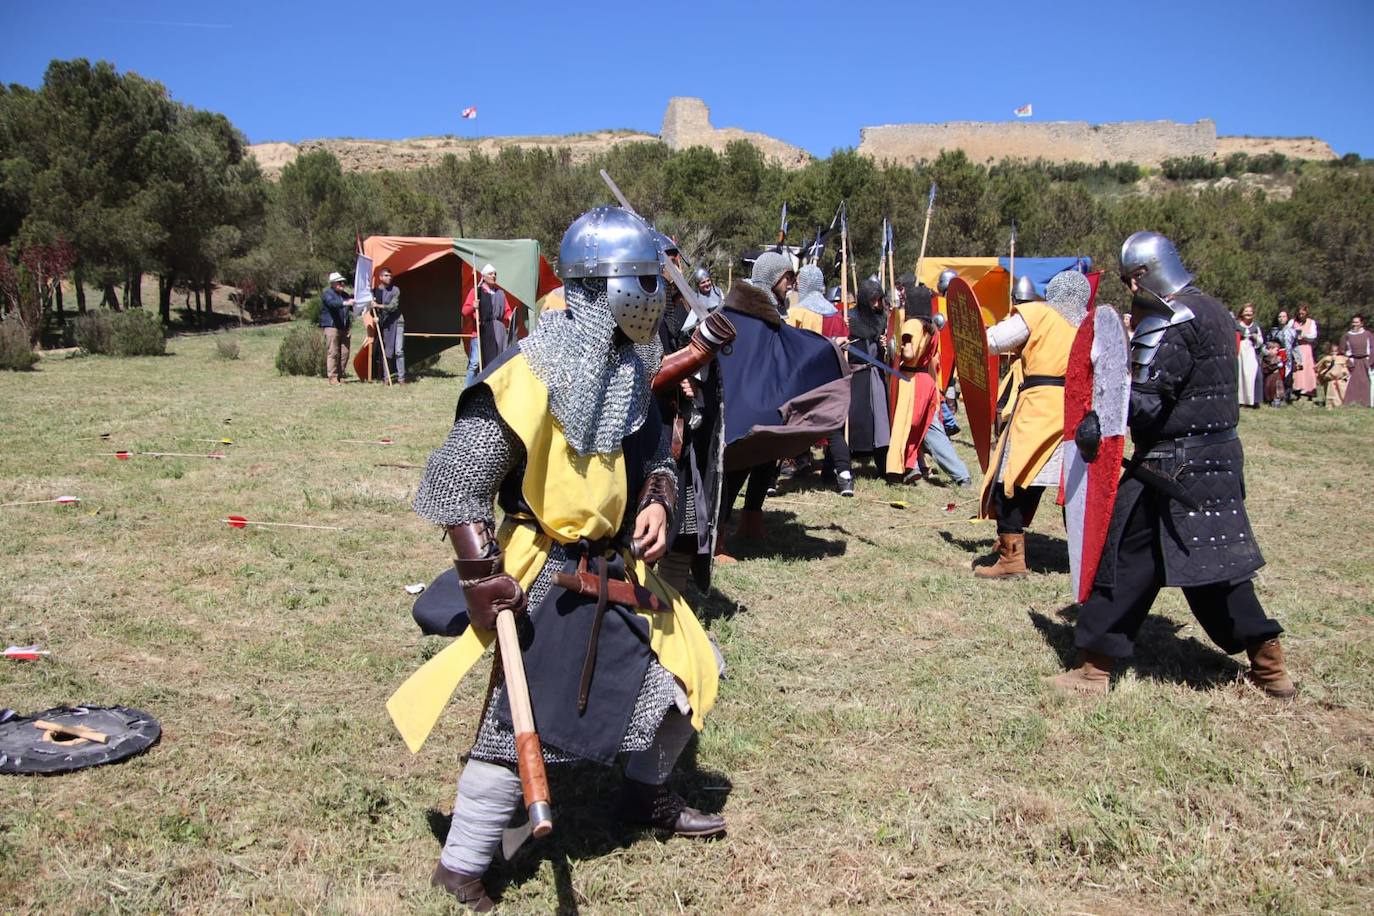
(1098, 379)
(977, 368)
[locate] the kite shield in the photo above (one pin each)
(977, 368)
(1098, 379)
(68, 738)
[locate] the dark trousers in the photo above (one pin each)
(759, 478)
(837, 453)
(1012, 511)
(1111, 617)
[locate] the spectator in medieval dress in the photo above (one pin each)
(1251, 382)
(1305, 365)
(1358, 346)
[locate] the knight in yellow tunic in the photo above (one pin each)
(1027, 458)
(562, 434)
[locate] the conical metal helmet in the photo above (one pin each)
(1024, 290)
(1151, 260)
(945, 277)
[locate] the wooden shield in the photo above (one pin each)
(977, 368)
(1098, 379)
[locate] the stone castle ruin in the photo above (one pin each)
(687, 123)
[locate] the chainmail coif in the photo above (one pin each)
(1068, 293)
(598, 380)
(811, 291)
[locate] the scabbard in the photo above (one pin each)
(627, 594)
(1163, 484)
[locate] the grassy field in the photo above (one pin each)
(884, 741)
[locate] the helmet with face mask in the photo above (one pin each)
(1152, 261)
(614, 247)
(945, 277)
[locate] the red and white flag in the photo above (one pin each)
(469, 113)
(1023, 112)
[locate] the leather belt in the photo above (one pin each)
(606, 591)
(1170, 448)
(1041, 381)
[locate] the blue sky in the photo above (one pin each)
(809, 73)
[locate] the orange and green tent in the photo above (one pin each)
(436, 274)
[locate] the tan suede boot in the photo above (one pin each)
(1011, 558)
(1267, 671)
(751, 524)
(1093, 675)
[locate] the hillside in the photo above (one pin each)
(687, 123)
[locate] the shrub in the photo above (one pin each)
(138, 333)
(94, 332)
(302, 352)
(1191, 169)
(310, 310)
(227, 347)
(15, 352)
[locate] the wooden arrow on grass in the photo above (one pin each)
(238, 521)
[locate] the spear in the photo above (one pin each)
(1011, 267)
(844, 261)
(925, 233)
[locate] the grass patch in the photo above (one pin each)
(883, 742)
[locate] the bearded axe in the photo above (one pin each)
(534, 783)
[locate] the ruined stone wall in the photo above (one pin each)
(1142, 142)
(687, 123)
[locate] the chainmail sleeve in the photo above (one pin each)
(464, 474)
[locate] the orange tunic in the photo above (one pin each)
(917, 399)
(1037, 420)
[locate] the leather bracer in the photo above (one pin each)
(660, 489)
(714, 332)
(481, 573)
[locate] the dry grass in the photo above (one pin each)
(884, 741)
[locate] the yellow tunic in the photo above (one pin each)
(805, 319)
(572, 496)
(1037, 421)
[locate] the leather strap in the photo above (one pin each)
(589, 664)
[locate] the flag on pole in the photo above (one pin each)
(1023, 112)
(469, 113)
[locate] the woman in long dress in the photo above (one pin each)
(1251, 381)
(1358, 347)
(1305, 365)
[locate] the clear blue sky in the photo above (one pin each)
(809, 73)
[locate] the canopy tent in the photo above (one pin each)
(436, 274)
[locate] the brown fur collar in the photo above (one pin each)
(750, 300)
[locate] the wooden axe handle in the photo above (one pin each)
(530, 756)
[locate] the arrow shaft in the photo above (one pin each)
(283, 525)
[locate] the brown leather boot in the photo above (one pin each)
(751, 525)
(663, 809)
(1011, 558)
(468, 889)
(1093, 675)
(1267, 671)
(722, 555)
